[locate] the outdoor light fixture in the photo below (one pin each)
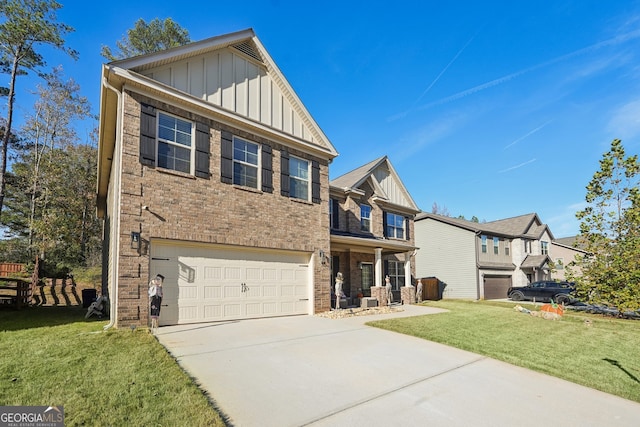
(135, 240)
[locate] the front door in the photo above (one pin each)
(367, 279)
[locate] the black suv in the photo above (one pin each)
(545, 291)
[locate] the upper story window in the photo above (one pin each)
(175, 143)
(365, 217)
(395, 225)
(527, 246)
(484, 244)
(245, 163)
(506, 247)
(334, 221)
(560, 263)
(298, 178)
(496, 246)
(544, 248)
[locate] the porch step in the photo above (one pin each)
(368, 302)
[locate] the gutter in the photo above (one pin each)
(113, 299)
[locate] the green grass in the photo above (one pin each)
(603, 355)
(52, 356)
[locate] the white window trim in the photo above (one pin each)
(403, 228)
(368, 229)
(192, 148)
(258, 166)
(308, 180)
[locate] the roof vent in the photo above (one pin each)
(248, 49)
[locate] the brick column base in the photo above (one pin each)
(379, 293)
(408, 295)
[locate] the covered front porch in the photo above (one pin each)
(364, 262)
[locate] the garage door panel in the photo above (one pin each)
(212, 292)
(270, 291)
(232, 291)
(270, 274)
(213, 312)
(213, 273)
(232, 311)
(187, 292)
(253, 274)
(232, 273)
(187, 313)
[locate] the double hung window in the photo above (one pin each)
(365, 218)
(175, 143)
(395, 225)
(298, 178)
(245, 163)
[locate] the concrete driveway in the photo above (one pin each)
(307, 370)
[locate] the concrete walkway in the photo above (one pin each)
(307, 370)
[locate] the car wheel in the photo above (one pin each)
(517, 296)
(562, 299)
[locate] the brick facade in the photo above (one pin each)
(182, 207)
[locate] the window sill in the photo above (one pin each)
(175, 173)
(304, 202)
(249, 189)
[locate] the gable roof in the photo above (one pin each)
(524, 226)
(383, 178)
(535, 261)
(230, 78)
(572, 243)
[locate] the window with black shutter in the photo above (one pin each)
(267, 169)
(315, 182)
(202, 151)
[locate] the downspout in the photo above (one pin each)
(113, 306)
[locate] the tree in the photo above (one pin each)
(51, 186)
(610, 233)
(146, 38)
(439, 210)
(24, 26)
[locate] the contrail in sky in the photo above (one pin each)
(528, 134)
(404, 113)
(517, 166)
(612, 41)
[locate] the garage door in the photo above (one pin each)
(205, 283)
(495, 287)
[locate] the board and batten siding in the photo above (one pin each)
(447, 252)
(391, 187)
(236, 83)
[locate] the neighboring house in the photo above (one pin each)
(564, 252)
(212, 173)
(482, 260)
(372, 233)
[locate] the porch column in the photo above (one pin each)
(378, 267)
(407, 268)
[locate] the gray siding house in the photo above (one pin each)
(482, 260)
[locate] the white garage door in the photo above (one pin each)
(204, 283)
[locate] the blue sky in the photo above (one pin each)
(493, 109)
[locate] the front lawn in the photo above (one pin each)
(595, 351)
(52, 356)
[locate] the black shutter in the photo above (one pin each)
(384, 224)
(406, 228)
(226, 157)
(147, 135)
(202, 151)
(267, 169)
(335, 213)
(315, 182)
(284, 173)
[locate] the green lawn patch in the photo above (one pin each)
(52, 356)
(595, 351)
